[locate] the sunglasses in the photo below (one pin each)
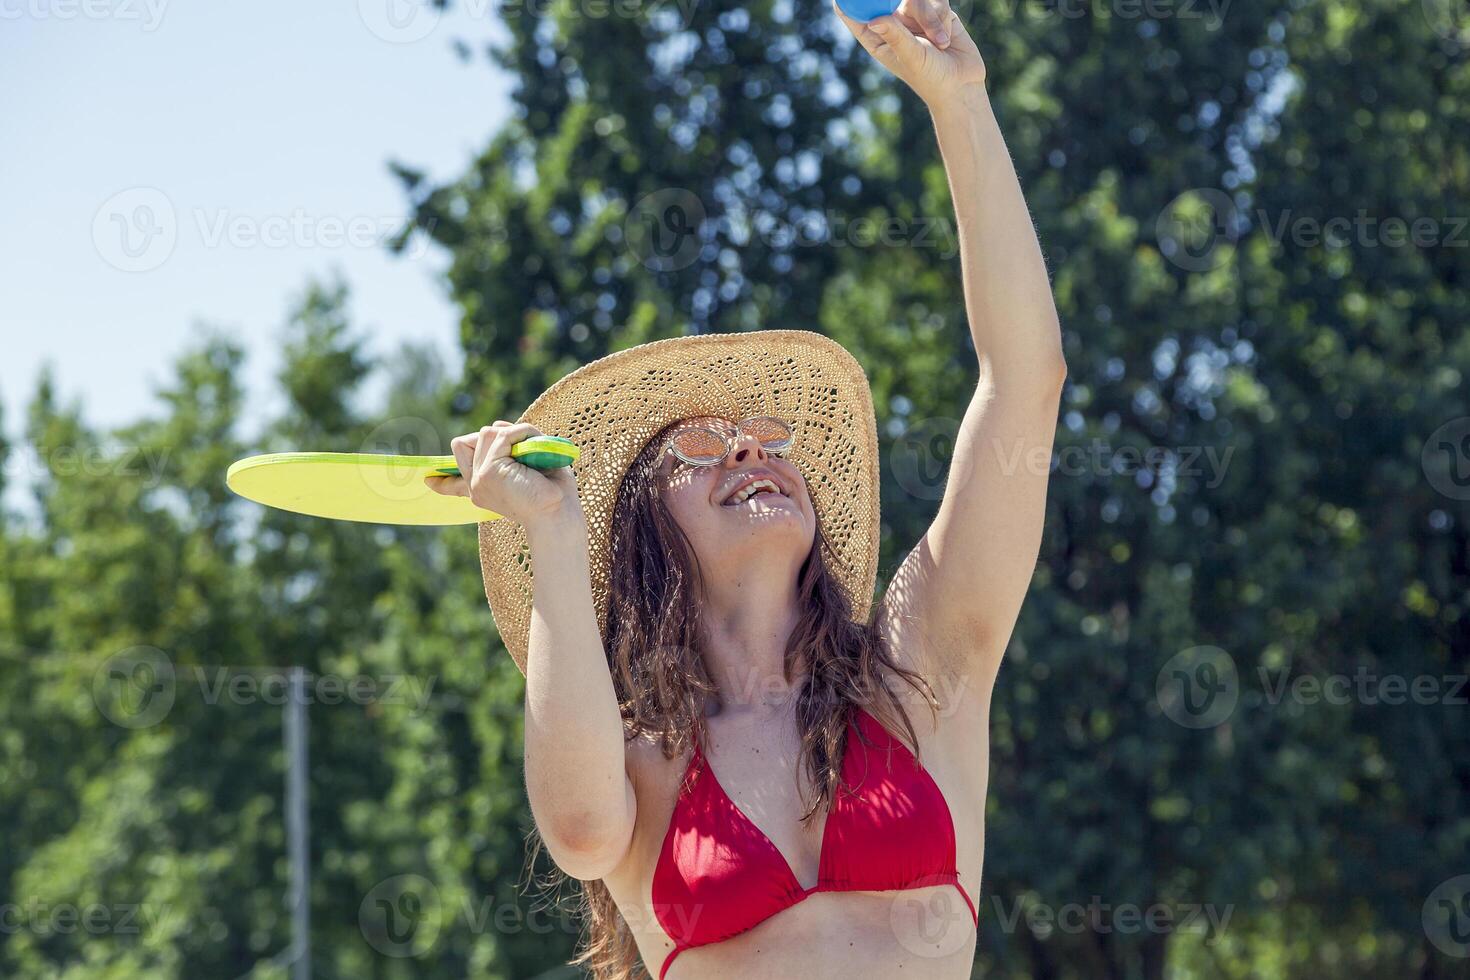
(705, 445)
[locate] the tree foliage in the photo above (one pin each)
(1259, 486)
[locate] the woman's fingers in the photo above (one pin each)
(914, 26)
(448, 486)
(871, 41)
(474, 450)
(898, 45)
(463, 448)
(932, 16)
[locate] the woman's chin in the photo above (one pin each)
(777, 518)
(766, 510)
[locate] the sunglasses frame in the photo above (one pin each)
(728, 439)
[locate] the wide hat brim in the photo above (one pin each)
(613, 406)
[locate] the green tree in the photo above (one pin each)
(172, 819)
(1275, 398)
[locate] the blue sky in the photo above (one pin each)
(172, 163)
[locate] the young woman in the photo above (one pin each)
(755, 769)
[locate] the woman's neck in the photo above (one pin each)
(745, 646)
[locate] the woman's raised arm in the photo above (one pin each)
(576, 773)
(963, 584)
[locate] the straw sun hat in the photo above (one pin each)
(613, 406)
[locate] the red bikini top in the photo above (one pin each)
(718, 875)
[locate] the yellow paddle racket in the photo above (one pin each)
(375, 488)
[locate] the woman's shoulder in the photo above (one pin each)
(656, 779)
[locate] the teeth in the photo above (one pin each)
(745, 493)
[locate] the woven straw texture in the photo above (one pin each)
(612, 407)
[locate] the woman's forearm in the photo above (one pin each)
(1007, 294)
(575, 775)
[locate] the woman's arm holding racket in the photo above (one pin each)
(965, 580)
(576, 773)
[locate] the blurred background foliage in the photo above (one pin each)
(1284, 394)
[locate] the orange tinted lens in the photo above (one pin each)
(700, 445)
(772, 433)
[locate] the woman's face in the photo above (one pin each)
(765, 529)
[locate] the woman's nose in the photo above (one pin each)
(745, 446)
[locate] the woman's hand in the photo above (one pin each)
(493, 480)
(925, 44)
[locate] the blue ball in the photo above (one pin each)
(866, 10)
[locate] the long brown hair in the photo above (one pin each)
(653, 649)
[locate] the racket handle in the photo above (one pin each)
(537, 452)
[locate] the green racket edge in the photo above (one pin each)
(537, 452)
